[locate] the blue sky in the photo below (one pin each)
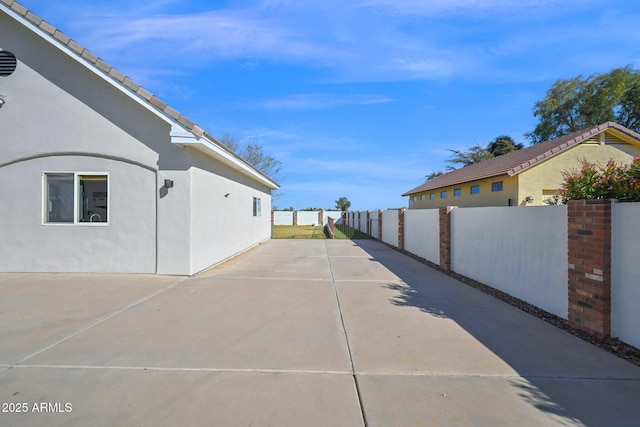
(357, 98)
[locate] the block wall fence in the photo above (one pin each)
(577, 261)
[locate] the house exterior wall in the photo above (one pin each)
(486, 197)
(547, 175)
(126, 245)
(61, 116)
(223, 226)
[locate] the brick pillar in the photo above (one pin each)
(295, 217)
(589, 233)
(272, 216)
(320, 217)
(445, 237)
(401, 229)
(368, 225)
(380, 225)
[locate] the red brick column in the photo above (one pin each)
(589, 232)
(272, 217)
(445, 237)
(295, 217)
(380, 225)
(320, 217)
(401, 229)
(369, 223)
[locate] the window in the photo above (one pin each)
(457, 192)
(475, 189)
(423, 197)
(73, 198)
(496, 186)
(432, 196)
(443, 194)
(415, 198)
(257, 206)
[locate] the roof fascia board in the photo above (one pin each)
(183, 138)
(67, 51)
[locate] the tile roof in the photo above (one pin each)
(513, 163)
(111, 72)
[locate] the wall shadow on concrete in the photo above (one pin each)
(562, 375)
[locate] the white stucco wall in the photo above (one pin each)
(625, 272)
(60, 116)
(127, 244)
(336, 215)
(521, 251)
(308, 218)
(224, 226)
(422, 233)
(283, 218)
(374, 219)
(390, 227)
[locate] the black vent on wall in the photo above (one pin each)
(7, 63)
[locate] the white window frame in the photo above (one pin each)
(75, 222)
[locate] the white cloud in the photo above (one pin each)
(307, 101)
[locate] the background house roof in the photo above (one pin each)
(134, 90)
(515, 162)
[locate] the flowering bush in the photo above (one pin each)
(611, 181)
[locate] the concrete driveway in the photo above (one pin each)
(295, 333)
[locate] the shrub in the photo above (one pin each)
(611, 181)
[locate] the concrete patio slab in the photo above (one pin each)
(497, 401)
(325, 333)
(37, 310)
(110, 397)
(222, 324)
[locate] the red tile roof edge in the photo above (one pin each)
(518, 161)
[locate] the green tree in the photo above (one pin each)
(343, 204)
(475, 154)
(503, 144)
(254, 154)
(433, 175)
(578, 103)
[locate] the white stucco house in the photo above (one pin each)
(99, 175)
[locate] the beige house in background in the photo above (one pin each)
(529, 176)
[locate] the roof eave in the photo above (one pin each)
(179, 124)
(183, 138)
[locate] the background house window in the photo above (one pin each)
(423, 197)
(257, 206)
(475, 189)
(443, 194)
(432, 196)
(72, 198)
(457, 192)
(496, 186)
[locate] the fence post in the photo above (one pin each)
(368, 226)
(589, 244)
(320, 217)
(401, 229)
(380, 225)
(445, 236)
(295, 217)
